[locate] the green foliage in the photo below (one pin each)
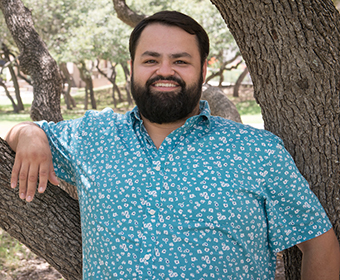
(88, 29)
(248, 107)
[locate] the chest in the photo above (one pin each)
(199, 183)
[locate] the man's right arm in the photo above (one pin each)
(33, 159)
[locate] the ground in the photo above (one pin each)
(33, 269)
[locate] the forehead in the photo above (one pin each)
(166, 39)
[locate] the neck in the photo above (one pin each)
(158, 132)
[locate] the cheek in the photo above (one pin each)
(141, 75)
(192, 77)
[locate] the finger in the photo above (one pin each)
(43, 177)
(53, 178)
(15, 173)
(23, 172)
(32, 179)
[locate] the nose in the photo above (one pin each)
(165, 69)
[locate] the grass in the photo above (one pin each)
(250, 111)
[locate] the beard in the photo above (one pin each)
(166, 107)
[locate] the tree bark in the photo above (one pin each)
(291, 49)
(35, 61)
(49, 226)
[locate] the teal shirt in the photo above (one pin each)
(217, 200)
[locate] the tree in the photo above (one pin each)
(35, 60)
(239, 82)
(291, 50)
(7, 54)
(292, 53)
(3, 85)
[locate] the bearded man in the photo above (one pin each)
(169, 191)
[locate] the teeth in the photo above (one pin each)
(164, 85)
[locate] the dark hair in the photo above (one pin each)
(172, 18)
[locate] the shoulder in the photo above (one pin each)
(99, 119)
(105, 115)
(240, 132)
(93, 121)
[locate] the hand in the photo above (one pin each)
(33, 159)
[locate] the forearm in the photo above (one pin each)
(321, 261)
(327, 269)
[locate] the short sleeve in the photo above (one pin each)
(63, 138)
(294, 213)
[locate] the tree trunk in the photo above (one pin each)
(115, 87)
(239, 82)
(85, 75)
(291, 49)
(69, 100)
(35, 61)
(7, 53)
(49, 225)
(86, 100)
(112, 80)
(128, 82)
(15, 107)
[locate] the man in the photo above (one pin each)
(169, 191)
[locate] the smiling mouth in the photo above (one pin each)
(168, 85)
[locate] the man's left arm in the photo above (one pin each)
(321, 257)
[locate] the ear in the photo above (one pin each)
(131, 63)
(204, 70)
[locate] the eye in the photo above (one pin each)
(180, 62)
(150, 61)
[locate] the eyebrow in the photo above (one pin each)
(175, 55)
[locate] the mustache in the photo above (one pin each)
(179, 81)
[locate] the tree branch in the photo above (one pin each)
(35, 60)
(125, 14)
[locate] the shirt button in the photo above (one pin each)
(152, 212)
(147, 257)
(158, 168)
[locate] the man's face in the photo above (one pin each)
(167, 75)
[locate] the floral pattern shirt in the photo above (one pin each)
(217, 200)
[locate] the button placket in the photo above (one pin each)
(150, 222)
